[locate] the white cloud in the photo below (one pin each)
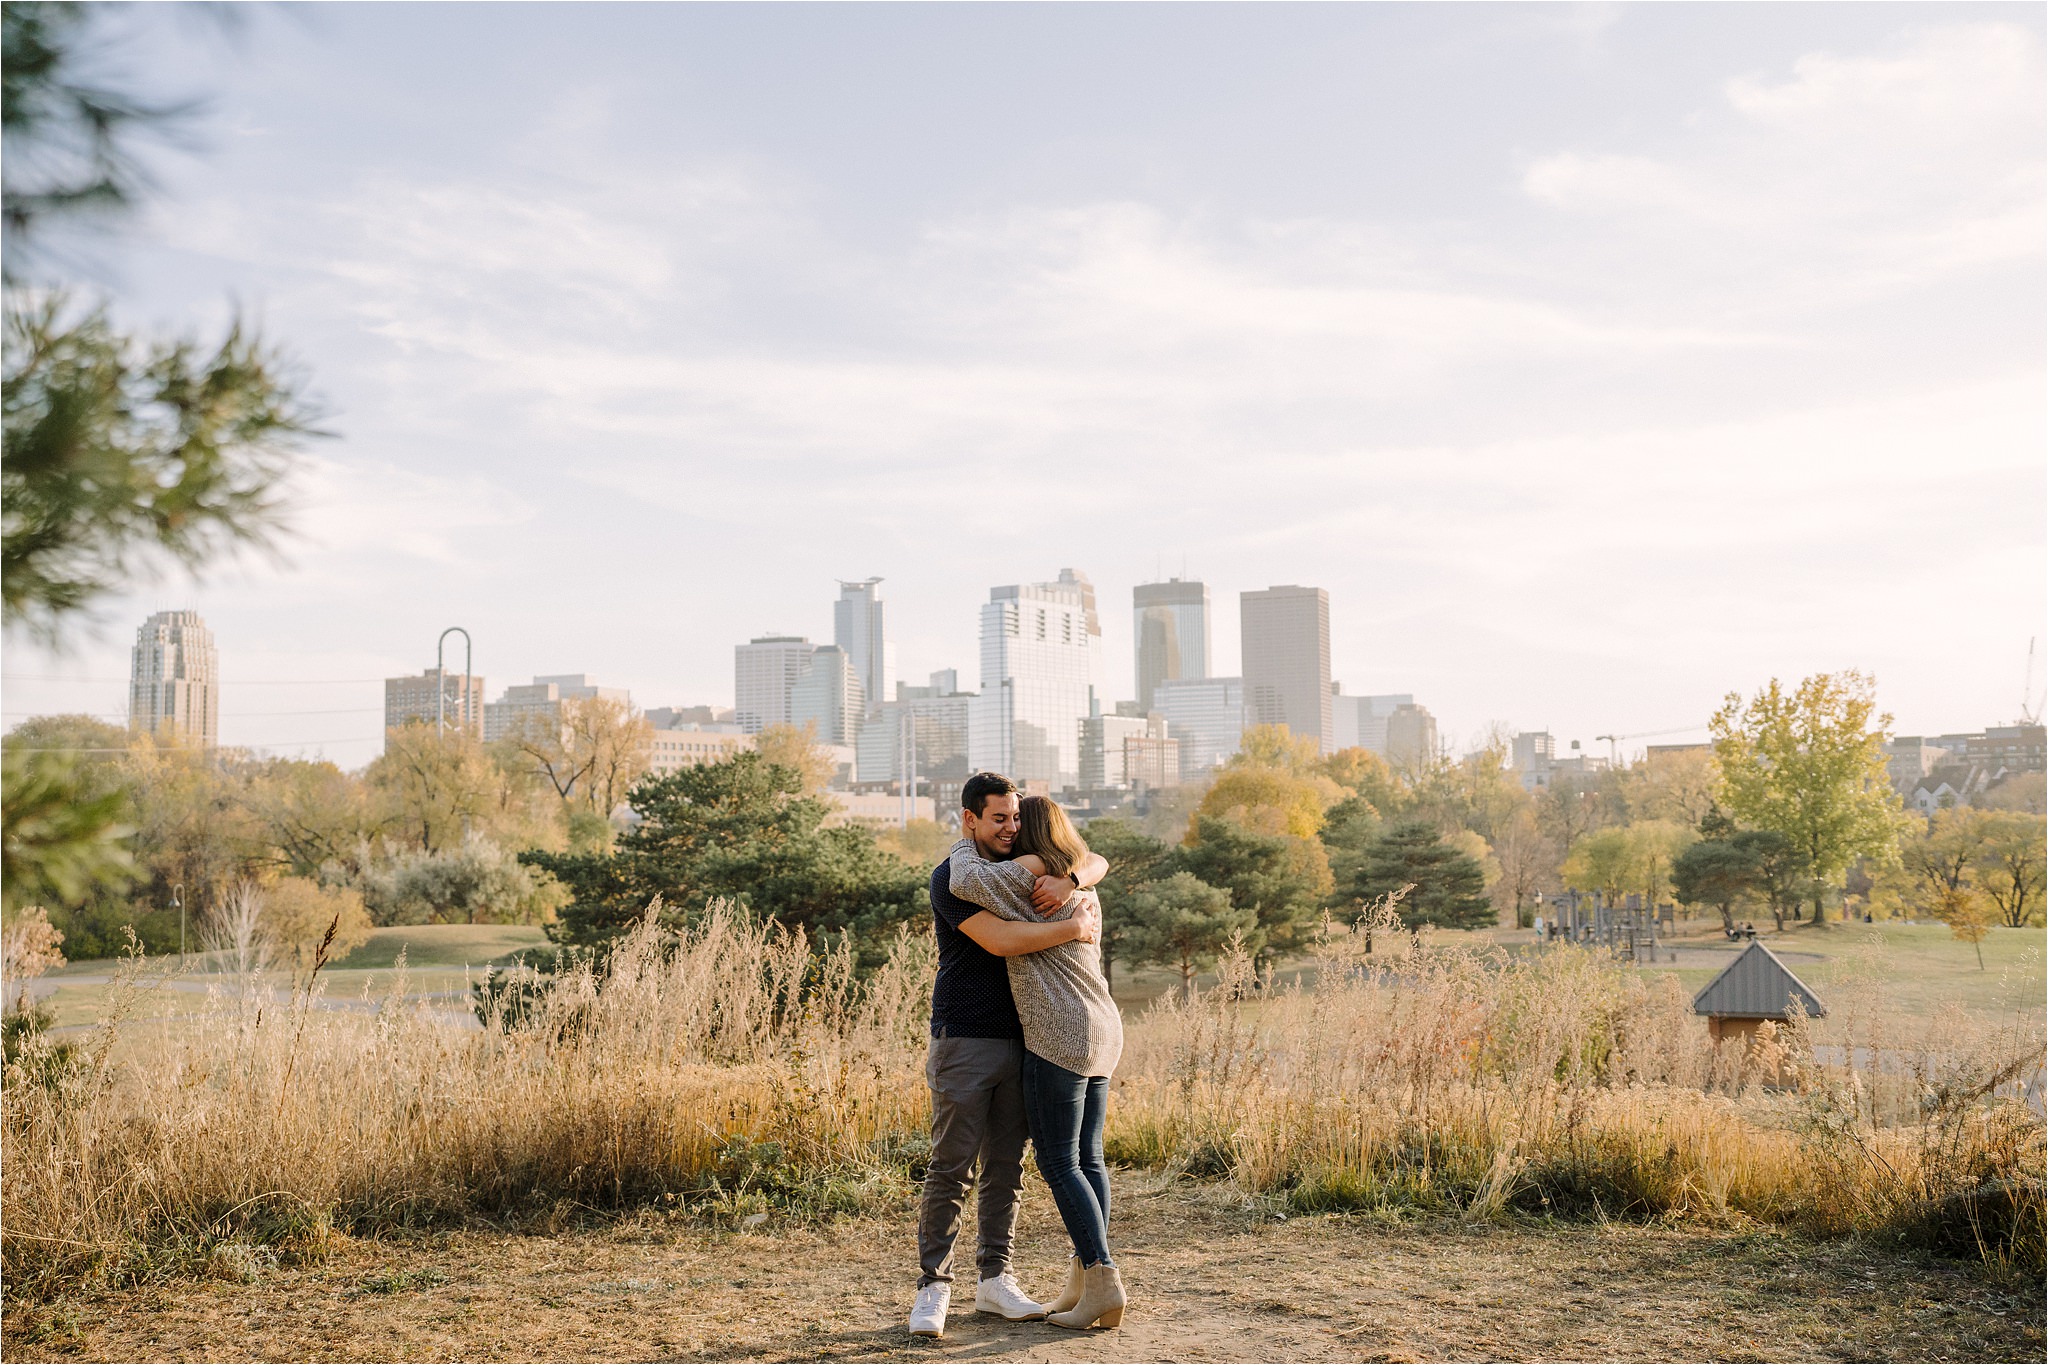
(1847, 176)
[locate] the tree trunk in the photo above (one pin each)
(1728, 917)
(1187, 978)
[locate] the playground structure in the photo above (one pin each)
(1627, 927)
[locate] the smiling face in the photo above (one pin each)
(994, 831)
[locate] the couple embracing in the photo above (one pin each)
(1024, 1039)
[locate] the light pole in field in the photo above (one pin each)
(441, 678)
(178, 904)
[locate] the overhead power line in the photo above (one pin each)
(222, 682)
(230, 715)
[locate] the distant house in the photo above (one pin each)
(1952, 784)
(1756, 986)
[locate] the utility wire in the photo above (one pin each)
(225, 682)
(226, 715)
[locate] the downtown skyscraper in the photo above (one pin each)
(858, 629)
(1041, 661)
(764, 673)
(1286, 643)
(1170, 635)
(174, 680)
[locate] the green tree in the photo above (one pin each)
(2010, 865)
(1939, 854)
(1450, 887)
(1810, 765)
(1348, 827)
(1281, 879)
(742, 830)
(475, 882)
(1784, 872)
(1183, 922)
(118, 454)
(1604, 861)
(1716, 872)
(1136, 860)
(433, 788)
(68, 815)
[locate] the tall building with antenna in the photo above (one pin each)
(857, 628)
(174, 680)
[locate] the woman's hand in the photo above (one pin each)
(1050, 893)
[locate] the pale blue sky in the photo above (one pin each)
(1598, 360)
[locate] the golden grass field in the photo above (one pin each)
(736, 1081)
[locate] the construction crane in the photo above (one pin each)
(2030, 710)
(1614, 741)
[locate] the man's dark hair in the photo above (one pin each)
(981, 787)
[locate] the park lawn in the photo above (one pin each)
(441, 960)
(1922, 966)
(442, 945)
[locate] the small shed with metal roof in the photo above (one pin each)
(1756, 986)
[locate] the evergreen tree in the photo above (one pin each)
(741, 830)
(1450, 886)
(1281, 879)
(1186, 923)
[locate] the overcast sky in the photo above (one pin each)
(1597, 360)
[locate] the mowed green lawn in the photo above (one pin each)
(1921, 966)
(440, 959)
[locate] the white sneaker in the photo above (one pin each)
(928, 1314)
(1002, 1297)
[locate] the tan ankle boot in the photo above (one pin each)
(1071, 1295)
(1102, 1301)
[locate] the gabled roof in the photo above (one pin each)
(1756, 985)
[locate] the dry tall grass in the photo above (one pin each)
(1468, 1079)
(735, 1069)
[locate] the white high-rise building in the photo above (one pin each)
(1041, 660)
(1286, 641)
(1207, 716)
(765, 669)
(857, 628)
(174, 680)
(1170, 634)
(827, 694)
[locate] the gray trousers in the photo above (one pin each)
(977, 1113)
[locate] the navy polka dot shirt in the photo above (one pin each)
(971, 998)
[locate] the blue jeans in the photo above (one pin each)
(1066, 1112)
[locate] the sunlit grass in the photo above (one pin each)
(734, 1070)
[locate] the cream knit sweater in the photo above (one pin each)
(1062, 997)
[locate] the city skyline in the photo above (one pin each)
(1597, 362)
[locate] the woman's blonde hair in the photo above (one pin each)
(1044, 829)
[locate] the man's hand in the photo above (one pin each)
(1088, 920)
(1050, 893)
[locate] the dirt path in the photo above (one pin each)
(1210, 1282)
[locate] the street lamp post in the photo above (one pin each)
(178, 904)
(441, 678)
